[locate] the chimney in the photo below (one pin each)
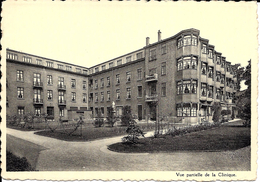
(159, 35)
(147, 41)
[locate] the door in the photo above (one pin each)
(140, 109)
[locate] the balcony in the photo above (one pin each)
(61, 87)
(151, 78)
(38, 101)
(37, 84)
(151, 98)
(62, 102)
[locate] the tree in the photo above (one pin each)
(244, 100)
(134, 132)
(216, 111)
(126, 115)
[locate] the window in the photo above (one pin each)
(60, 82)
(61, 111)
(128, 76)
(50, 111)
(20, 110)
(20, 91)
(119, 62)
(117, 79)
(103, 67)
(49, 94)
(37, 96)
(210, 54)
(152, 71)
(210, 73)
(163, 89)
(228, 67)
(163, 48)
(73, 96)
(102, 110)
(222, 64)
(37, 79)
(108, 81)
(61, 99)
(96, 112)
(227, 95)
(96, 97)
(19, 75)
(90, 97)
(117, 94)
(187, 87)
(27, 59)
(68, 68)
(179, 43)
(96, 84)
(37, 111)
(186, 110)
(218, 75)
(203, 68)
(49, 64)
(152, 55)
(217, 93)
(194, 40)
(111, 65)
(204, 49)
(163, 69)
(187, 63)
(102, 96)
(203, 89)
(60, 66)
(139, 74)
(84, 85)
(78, 70)
(210, 92)
(139, 55)
(85, 72)
(218, 60)
(102, 82)
(187, 40)
(73, 83)
(140, 91)
(128, 59)
(128, 93)
(84, 98)
(119, 110)
(108, 95)
(38, 62)
(222, 79)
(96, 69)
(12, 56)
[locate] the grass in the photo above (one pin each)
(91, 133)
(217, 139)
(14, 163)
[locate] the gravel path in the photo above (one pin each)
(94, 156)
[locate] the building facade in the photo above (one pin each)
(180, 76)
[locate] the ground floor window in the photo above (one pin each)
(119, 110)
(186, 110)
(50, 111)
(20, 110)
(37, 111)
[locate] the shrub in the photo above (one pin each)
(126, 115)
(134, 132)
(14, 163)
(98, 122)
(217, 110)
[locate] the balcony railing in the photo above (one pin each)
(61, 87)
(38, 84)
(37, 101)
(150, 78)
(151, 98)
(61, 102)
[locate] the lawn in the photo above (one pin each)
(221, 138)
(89, 132)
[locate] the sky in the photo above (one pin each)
(89, 33)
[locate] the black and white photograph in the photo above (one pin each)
(98, 90)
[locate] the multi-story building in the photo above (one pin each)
(180, 76)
